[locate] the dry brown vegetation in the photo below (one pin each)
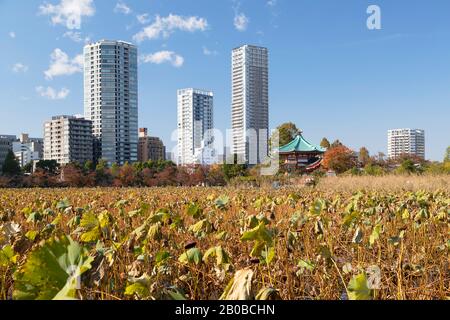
(388, 183)
(189, 243)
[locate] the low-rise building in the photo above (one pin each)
(6, 142)
(28, 149)
(68, 139)
(150, 148)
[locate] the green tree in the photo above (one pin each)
(89, 166)
(364, 156)
(233, 170)
(102, 176)
(115, 168)
(11, 166)
(447, 155)
(325, 143)
(374, 170)
(101, 165)
(48, 166)
(28, 168)
(408, 167)
(287, 132)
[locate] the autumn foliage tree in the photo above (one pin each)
(325, 143)
(339, 159)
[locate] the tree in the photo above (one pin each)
(102, 176)
(102, 165)
(126, 176)
(89, 166)
(233, 170)
(215, 176)
(325, 143)
(48, 166)
(11, 166)
(28, 168)
(73, 175)
(287, 132)
(408, 167)
(447, 155)
(336, 143)
(115, 169)
(339, 159)
(364, 156)
(374, 170)
(148, 177)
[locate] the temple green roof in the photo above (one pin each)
(299, 144)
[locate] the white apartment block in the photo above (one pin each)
(250, 103)
(111, 99)
(195, 125)
(28, 149)
(406, 141)
(68, 139)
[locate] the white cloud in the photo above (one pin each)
(68, 12)
(165, 26)
(241, 21)
(121, 7)
(12, 34)
(272, 3)
(208, 52)
(61, 64)
(52, 94)
(143, 18)
(162, 57)
(19, 67)
(76, 36)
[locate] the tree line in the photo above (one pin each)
(338, 158)
(48, 173)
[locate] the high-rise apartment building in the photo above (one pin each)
(68, 139)
(111, 99)
(150, 148)
(195, 125)
(250, 103)
(6, 142)
(28, 149)
(406, 141)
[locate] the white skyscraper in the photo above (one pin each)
(195, 124)
(406, 141)
(111, 99)
(250, 103)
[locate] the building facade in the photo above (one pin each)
(68, 139)
(195, 125)
(250, 103)
(406, 142)
(150, 148)
(111, 99)
(301, 156)
(28, 149)
(6, 142)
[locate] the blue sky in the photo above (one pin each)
(328, 73)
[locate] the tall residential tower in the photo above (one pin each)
(406, 142)
(195, 125)
(250, 103)
(111, 99)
